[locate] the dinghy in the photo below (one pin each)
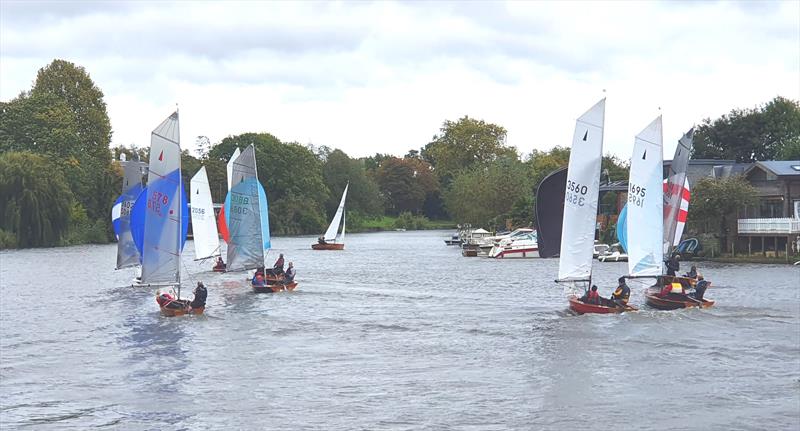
(329, 240)
(163, 211)
(204, 226)
(247, 216)
(127, 253)
(580, 210)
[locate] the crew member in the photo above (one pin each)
(321, 240)
(621, 296)
(673, 264)
(288, 276)
(591, 296)
(200, 294)
(278, 267)
(692, 273)
(220, 264)
(700, 288)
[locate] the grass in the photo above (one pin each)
(388, 223)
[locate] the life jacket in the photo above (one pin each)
(623, 293)
(676, 288)
(593, 297)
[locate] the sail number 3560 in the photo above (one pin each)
(576, 193)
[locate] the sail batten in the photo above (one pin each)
(204, 226)
(581, 195)
(330, 234)
(645, 213)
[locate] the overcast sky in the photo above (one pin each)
(382, 77)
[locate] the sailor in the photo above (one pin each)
(278, 267)
(288, 277)
(673, 264)
(700, 288)
(321, 239)
(674, 289)
(200, 294)
(591, 296)
(220, 263)
(621, 296)
(258, 280)
(692, 273)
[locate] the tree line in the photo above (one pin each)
(58, 178)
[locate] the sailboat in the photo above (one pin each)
(671, 204)
(204, 226)
(329, 240)
(127, 254)
(160, 219)
(222, 223)
(580, 208)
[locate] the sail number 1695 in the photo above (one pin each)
(576, 193)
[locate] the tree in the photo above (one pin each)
(203, 146)
(463, 144)
(34, 200)
(492, 193)
(363, 195)
(768, 132)
(399, 183)
(715, 203)
(542, 163)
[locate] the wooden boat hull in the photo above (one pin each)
(580, 307)
(674, 303)
(273, 288)
(172, 312)
(327, 246)
(219, 269)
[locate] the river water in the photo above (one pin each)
(398, 331)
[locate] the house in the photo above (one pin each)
(772, 226)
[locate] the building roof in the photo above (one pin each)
(781, 168)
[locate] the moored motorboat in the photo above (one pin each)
(580, 307)
(520, 246)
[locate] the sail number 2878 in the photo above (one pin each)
(576, 193)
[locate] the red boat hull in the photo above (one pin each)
(327, 246)
(579, 307)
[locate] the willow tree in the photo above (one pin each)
(34, 200)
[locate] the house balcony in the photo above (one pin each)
(768, 226)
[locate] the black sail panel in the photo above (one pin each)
(550, 212)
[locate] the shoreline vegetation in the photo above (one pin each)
(59, 174)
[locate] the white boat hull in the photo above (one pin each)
(514, 252)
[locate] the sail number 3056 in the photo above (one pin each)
(576, 193)
(636, 194)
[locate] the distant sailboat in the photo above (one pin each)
(127, 254)
(204, 226)
(222, 223)
(329, 241)
(247, 215)
(580, 209)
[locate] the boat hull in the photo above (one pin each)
(675, 303)
(523, 253)
(219, 269)
(580, 307)
(273, 288)
(327, 246)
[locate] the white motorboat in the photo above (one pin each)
(520, 246)
(615, 254)
(491, 241)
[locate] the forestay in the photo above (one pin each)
(581, 195)
(204, 226)
(645, 216)
(246, 215)
(330, 234)
(674, 190)
(127, 254)
(161, 249)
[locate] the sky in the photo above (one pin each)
(369, 77)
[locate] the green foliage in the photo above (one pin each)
(768, 132)
(715, 203)
(7, 240)
(402, 185)
(542, 163)
(486, 194)
(34, 199)
(409, 221)
(292, 216)
(463, 144)
(363, 194)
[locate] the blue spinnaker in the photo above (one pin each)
(137, 219)
(622, 228)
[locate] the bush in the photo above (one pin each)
(406, 220)
(7, 240)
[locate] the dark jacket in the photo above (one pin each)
(289, 275)
(673, 266)
(623, 292)
(200, 295)
(278, 264)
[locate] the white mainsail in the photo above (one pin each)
(234, 156)
(583, 190)
(204, 226)
(645, 203)
(330, 234)
(161, 250)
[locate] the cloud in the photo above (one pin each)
(383, 76)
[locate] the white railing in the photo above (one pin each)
(777, 226)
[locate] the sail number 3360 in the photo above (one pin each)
(576, 193)
(636, 194)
